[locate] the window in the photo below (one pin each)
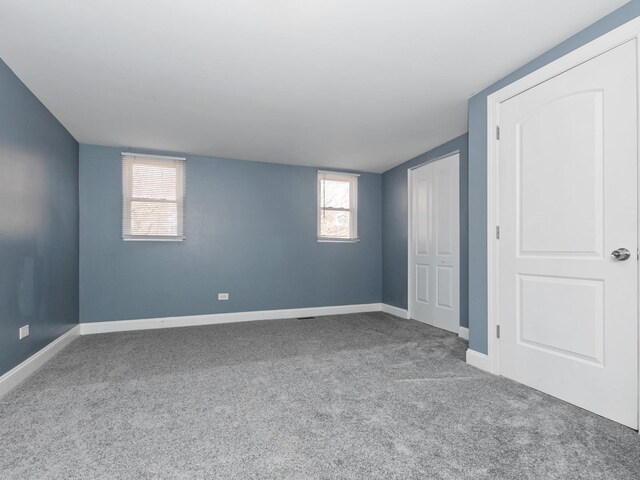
(337, 206)
(153, 197)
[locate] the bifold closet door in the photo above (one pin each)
(434, 268)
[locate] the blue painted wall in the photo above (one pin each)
(38, 223)
(478, 167)
(251, 232)
(394, 227)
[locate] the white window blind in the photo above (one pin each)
(153, 197)
(337, 206)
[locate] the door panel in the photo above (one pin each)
(562, 315)
(422, 283)
(444, 215)
(568, 198)
(445, 286)
(422, 207)
(434, 234)
(545, 157)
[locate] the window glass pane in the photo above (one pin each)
(153, 181)
(334, 224)
(334, 193)
(151, 218)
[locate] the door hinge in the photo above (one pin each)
(497, 331)
(497, 132)
(497, 232)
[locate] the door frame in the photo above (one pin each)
(410, 222)
(628, 31)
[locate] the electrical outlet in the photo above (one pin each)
(23, 332)
(223, 296)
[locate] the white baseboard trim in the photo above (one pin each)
(478, 360)
(19, 373)
(463, 332)
(398, 312)
(89, 328)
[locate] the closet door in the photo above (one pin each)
(434, 251)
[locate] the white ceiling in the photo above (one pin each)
(359, 84)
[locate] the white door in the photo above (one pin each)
(434, 244)
(567, 309)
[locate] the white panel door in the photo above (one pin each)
(567, 309)
(434, 257)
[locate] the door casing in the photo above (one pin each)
(608, 41)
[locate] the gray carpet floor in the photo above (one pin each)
(365, 396)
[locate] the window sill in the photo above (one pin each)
(152, 239)
(338, 240)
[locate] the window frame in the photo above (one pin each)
(129, 159)
(352, 178)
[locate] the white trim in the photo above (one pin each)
(21, 372)
(463, 332)
(148, 155)
(153, 239)
(179, 166)
(410, 220)
(478, 360)
(352, 179)
(89, 328)
(338, 240)
(409, 238)
(612, 39)
(398, 312)
(338, 172)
